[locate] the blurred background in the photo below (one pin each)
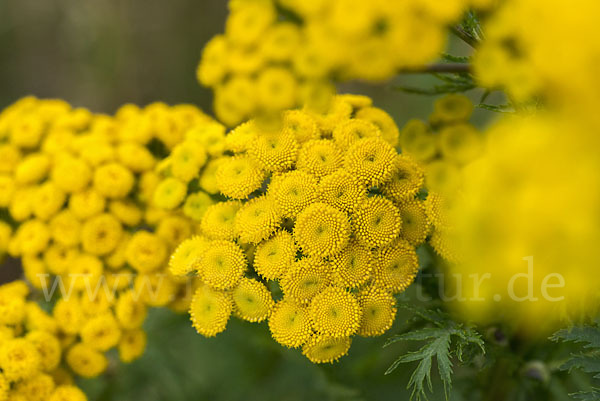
(102, 54)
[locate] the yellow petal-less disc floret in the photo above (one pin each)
(210, 311)
(146, 252)
(301, 125)
(256, 220)
(396, 266)
(379, 311)
(169, 193)
(130, 310)
(451, 108)
(322, 230)
(295, 190)
(86, 361)
(275, 152)
(36, 388)
(320, 157)
(48, 347)
(342, 191)
(132, 345)
(370, 160)
(196, 205)
(222, 265)
(67, 393)
(376, 222)
(353, 266)
(305, 279)
(407, 179)
(252, 300)
(335, 312)
(290, 323)
(186, 255)
(218, 220)
(274, 256)
(101, 234)
(417, 140)
(19, 359)
(113, 180)
(239, 176)
(325, 349)
(389, 129)
(353, 130)
(415, 224)
(461, 143)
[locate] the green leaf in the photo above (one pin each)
(587, 363)
(579, 334)
(592, 395)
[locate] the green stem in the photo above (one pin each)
(464, 36)
(454, 68)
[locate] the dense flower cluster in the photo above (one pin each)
(320, 211)
(38, 358)
(276, 54)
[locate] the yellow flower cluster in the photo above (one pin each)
(277, 54)
(321, 210)
(34, 350)
(522, 41)
(444, 146)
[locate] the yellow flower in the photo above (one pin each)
(252, 300)
(68, 315)
(196, 205)
(36, 388)
(187, 254)
(239, 176)
(322, 230)
(320, 157)
(65, 228)
(325, 349)
(273, 256)
(335, 312)
(67, 393)
(27, 131)
(305, 279)
(281, 41)
(33, 237)
(442, 176)
(101, 234)
(275, 152)
(293, 192)
(370, 160)
(461, 143)
(210, 311)
(213, 66)
(146, 252)
(21, 204)
(208, 179)
(376, 222)
(379, 311)
(130, 310)
(186, 160)
(59, 258)
(389, 129)
(348, 132)
(248, 21)
(126, 211)
(415, 224)
(301, 124)
(169, 193)
(451, 108)
(4, 388)
(222, 265)
(173, 229)
(417, 140)
(218, 220)
(48, 347)
(276, 89)
(135, 157)
(19, 359)
(396, 266)
(7, 190)
(85, 271)
(342, 191)
(290, 323)
(85, 361)
(71, 174)
(12, 310)
(256, 220)
(407, 179)
(353, 265)
(86, 204)
(47, 200)
(101, 332)
(113, 180)
(132, 345)
(33, 168)
(10, 156)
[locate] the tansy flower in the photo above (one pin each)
(290, 323)
(208, 179)
(305, 279)
(256, 220)
(342, 191)
(71, 174)
(370, 160)
(294, 191)
(48, 348)
(325, 349)
(65, 228)
(218, 220)
(19, 359)
(222, 265)
(396, 266)
(335, 312)
(443, 177)
(417, 140)
(101, 234)
(460, 143)
(275, 152)
(59, 258)
(442, 243)
(47, 200)
(212, 68)
(126, 211)
(36, 388)
(451, 108)
(239, 176)
(249, 21)
(407, 179)
(155, 289)
(85, 271)
(4, 388)
(135, 157)
(352, 267)
(101, 332)
(415, 224)
(12, 309)
(67, 393)
(252, 300)
(356, 101)
(273, 256)
(320, 157)
(173, 229)
(68, 315)
(113, 180)
(33, 237)
(353, 130)
(10, 156)
(210, 311)
(21, 204)
(196, 205)
(376, 222)
(85, 361)
(86, 204)
(169, 193)
(301, 125)
(33, 168)
(132, 345)
(239, 139)
(186, 160)
(276, 88)
(130, 310)
(187, 254)
(381, 119)
(146, 252)
(7, 190)
(322, 230)
(379, 311)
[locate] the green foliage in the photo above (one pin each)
(444, 339)
(449, 83)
